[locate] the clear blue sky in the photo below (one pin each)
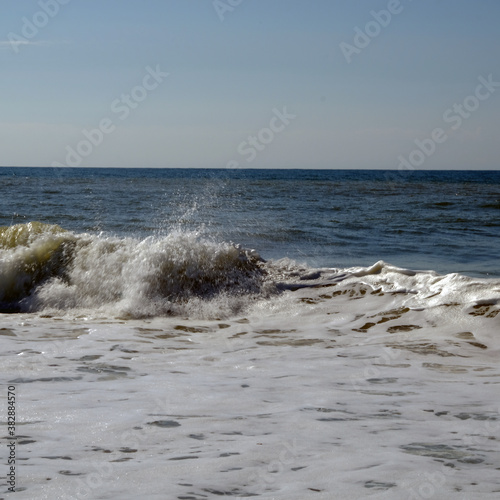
(232, 73)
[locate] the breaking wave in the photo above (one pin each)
(45, 267)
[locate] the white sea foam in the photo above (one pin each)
(44, 268)
(127, 276)
(373, 382)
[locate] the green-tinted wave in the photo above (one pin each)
(25, 234)
(29, 255)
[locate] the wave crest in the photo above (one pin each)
(44, 267)
(30, 254)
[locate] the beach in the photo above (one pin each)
(178, 363)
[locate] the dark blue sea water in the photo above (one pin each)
(448, 221)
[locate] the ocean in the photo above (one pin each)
(281, 334)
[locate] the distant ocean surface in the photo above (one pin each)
(445, 221)
(279, 334)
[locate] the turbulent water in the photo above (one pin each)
(184, 334)
(44, 267)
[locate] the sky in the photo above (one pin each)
(347, 84)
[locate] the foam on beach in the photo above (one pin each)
(181, 367)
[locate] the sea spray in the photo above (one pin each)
(45, 267)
